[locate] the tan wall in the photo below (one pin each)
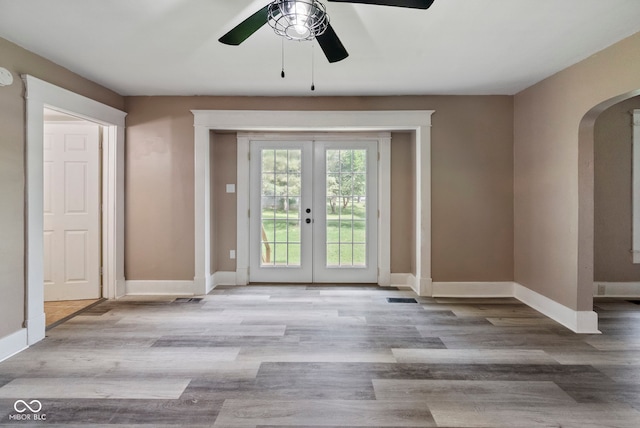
(403, 230)
(12, 183)
(612, 194)
(553, 194)
(472, 180)
(225, 216)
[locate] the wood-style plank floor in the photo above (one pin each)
(312, 356)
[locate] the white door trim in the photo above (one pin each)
(40, 94)
(382, 197)
(418, 121)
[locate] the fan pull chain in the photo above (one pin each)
(313, 86)
(282, 72)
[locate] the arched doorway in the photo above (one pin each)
(587, 199)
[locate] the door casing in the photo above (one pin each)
(383, 222)
(313, 267)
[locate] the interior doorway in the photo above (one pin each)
(71, 208)
(41, 95)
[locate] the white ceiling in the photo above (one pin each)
(170, 47)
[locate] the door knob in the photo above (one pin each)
(308, 221)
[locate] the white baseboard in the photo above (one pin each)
(403, 280)
(578, 321)
(36, 327)
(617, 289)
(473, 289)
(13, 343)
(159, 288)
(224, 278)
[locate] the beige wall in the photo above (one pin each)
(12, 183)
(472, 218)
(403, 230)
(612, 194)
(224, 211)
(554, 172)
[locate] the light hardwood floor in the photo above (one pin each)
(312, 356)
(60, 310)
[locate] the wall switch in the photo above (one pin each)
(601, 290)
(231, 188)
(232, 254)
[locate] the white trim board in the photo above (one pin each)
(404, 280)
(41, 95)
(383, 184)
(473, 289)
(13, 343)
(616, 289)
(417, 121)
(635, 187)
(577, 321)
(224, 278)
(159, 288)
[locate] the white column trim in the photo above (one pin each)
(40, 94)
(242, 212)
(384, 207)
(418, 121)
(423, 210)
(202, 200)
(635, 183)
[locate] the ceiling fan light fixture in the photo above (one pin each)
(298, 19)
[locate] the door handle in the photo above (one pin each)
(307, 221)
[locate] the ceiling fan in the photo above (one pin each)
(306, 20)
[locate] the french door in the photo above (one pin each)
(313, 211)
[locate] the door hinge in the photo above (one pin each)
(249, 155)
(249, 213)
(101, 270)
(378, 156)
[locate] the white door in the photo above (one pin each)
(313, 211)
(71, 212)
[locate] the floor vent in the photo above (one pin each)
(401, 300)
(188, 300)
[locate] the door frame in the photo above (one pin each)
(416, 121)
(383, 164)
(40, 94)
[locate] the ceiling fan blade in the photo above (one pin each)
(415, 4)
(246, 28)
(331, 45)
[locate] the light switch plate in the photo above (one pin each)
(231, 188)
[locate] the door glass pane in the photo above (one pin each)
(346, 228)
(280, 210)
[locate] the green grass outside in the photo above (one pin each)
(352, 229)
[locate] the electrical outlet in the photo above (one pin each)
(232, 254)
(601, 290)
